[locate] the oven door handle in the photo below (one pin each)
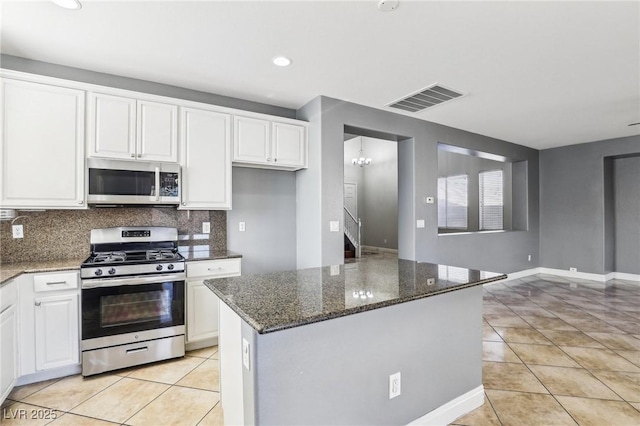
(138, 280)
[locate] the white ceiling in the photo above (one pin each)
(540, 74)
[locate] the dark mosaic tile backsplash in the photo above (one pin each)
(64, 234)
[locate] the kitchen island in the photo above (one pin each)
(319, 346)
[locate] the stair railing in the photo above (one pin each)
(353, 230)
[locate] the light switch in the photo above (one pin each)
(420, 223)
(334, 226)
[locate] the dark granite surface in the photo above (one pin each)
(205, 252)
(276, 301)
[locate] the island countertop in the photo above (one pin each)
(280, 300)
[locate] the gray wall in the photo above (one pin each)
(418, 171)
(337, 371)
(377, 189)
(572, 204)
(451, 164)
(75, 74)
(626, 178)
(266, 201)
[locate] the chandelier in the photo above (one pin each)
(361, 160)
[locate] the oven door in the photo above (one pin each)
(114, 306)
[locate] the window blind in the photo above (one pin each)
(491, 200)
(452, 202)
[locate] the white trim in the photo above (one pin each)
(380, 249)
(568, 274)
(53, 373)
(453, 409)
(623, 276)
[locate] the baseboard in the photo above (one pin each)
(603, 278)
(453, 409)
(379, 249)
(55, 373)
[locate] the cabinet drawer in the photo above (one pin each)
(214, 268)
(55, 282)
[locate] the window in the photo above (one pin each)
(491, 200)
(452, 202)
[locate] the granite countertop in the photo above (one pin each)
(204, 252)
(12, 270)
(281, 300)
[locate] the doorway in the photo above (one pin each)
(370, 196)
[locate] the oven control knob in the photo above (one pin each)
(170, 267)
(159, 268)
(98, 272)
(112, 271)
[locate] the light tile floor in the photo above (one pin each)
(556, 351)
(184, 391)
(560, 351)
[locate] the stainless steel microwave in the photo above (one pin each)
(132, 182)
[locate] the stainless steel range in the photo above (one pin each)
(133, 298)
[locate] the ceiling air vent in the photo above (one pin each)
(433, 95)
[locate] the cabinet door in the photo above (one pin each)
(202, 312)
(157, 136)
(57, 338)
(251, 140)
(42, 146)
(111, 126)
(8, 351)
(289, 145)
(205, 141)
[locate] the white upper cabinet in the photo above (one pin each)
(252, 142)
(112, 126)
(289, 145)
(42, 146)
(127, 128)
(205, 157)
(269, 144)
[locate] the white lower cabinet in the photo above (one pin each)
(57, 337)
(49, 326)
(202, 303)
(8, 339)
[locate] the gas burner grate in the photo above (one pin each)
(113, 256)
(161, 254)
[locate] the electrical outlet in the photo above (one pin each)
(394, 385)
(18, 231)
(206, 227)
(529, 258)
(431, 281)
(334, 226)
(429, 200)
(572, 269)
(245, 353)
(241, 226)
(420, 223)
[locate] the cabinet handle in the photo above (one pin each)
(136, 350)
(38, 303)
(214, 269)
(184, 203)
(268, 158)
(133, 155)
(275, 160)
(56, 282)
(139, 155)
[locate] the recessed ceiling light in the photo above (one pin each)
(68, 4)
(282, 61)
(387, 5)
